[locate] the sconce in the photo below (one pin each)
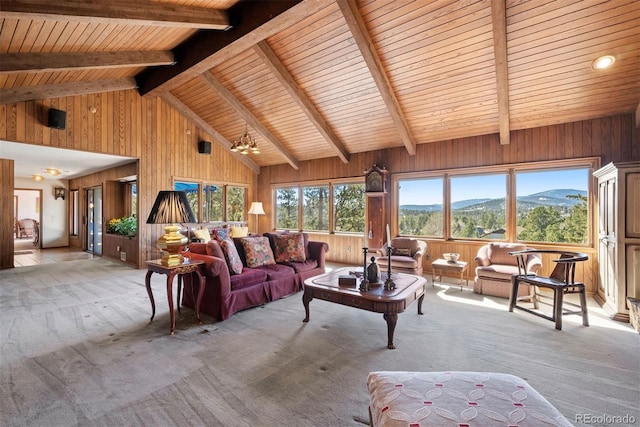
(59, 192)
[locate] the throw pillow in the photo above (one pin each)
(231, 256)
(402, 251)
(289, 248)
(239, 231)
(220, 233)
(202, 235)
(257, 251)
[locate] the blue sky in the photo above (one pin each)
(429, 191)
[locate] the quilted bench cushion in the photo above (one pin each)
(412, 399)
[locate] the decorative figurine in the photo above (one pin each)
(373, 271)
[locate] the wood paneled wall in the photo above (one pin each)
(611, 138)
(127, 124)
(7, 215)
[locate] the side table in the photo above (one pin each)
(187, 267)
(458, 267)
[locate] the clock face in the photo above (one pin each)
(374, 181)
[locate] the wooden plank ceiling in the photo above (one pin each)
(327, 78)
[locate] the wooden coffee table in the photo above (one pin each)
(408, 289)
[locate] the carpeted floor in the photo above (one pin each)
(77, 348)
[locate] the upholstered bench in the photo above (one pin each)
(453, 398)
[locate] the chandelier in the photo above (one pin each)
(245, 144)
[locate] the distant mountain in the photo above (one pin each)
(555, 198)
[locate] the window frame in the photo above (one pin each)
(589, 163)
(201, 199)
(317, 183)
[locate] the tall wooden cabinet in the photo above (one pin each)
(618, 236)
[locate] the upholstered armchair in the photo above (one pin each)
(406, 257)
(495, 266)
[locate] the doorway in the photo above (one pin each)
(94, 220)
(27, 208)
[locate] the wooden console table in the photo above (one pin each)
(408, 289)
(187, 267)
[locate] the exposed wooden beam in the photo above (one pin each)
(31, 93)
(57, 61)
(251, 120)
(638, 116)
(206, 127)
(132, 12)
(499, 21)
(361, 35)
(256, 20)
(286, 80)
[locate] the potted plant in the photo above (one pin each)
(125, 226)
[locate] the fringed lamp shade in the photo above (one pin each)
(171, 207)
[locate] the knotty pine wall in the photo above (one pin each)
(610, 138)
(127, 124)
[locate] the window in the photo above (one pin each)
(338, 207)
(315, 208)
(287, 208)
(236, 199)
(133, 195)
(349, 202)
(193, 194)
(478, 206)
(551, 206)
(209, 204)
(212, 209)
(545, 202)
(420, 207)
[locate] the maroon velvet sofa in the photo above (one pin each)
(226, 293)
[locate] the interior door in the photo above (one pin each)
(94, 220)
(608, 206)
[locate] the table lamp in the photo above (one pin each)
(256, 209)
(171, 207)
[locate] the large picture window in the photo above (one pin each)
(478, 206)
(214, 202)
(420, 203)
(338, 207)
(542, 202)
(315, 208)
(287, 208)
(552, 206)
(349, 202)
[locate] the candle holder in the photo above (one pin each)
(364, 285)
(389, 284)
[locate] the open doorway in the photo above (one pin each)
(27, 219)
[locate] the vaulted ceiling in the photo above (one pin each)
(328, 78)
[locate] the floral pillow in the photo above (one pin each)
(289, 248)
(257, 251)
(231, 255)
(220, 233)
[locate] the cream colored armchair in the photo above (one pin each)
(406, 257)
(495, 266)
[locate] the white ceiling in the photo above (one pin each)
(35, 159)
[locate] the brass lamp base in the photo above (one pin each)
(171, 244)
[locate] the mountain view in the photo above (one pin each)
(554, 198)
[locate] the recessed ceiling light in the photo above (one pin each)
(38, 178)
(603, 62)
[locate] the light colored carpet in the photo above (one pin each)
(77, 348)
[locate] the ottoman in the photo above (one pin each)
(454, 398)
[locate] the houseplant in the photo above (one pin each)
(125, 226)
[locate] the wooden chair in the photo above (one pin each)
(561, 282)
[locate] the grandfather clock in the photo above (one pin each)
(376, 182)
